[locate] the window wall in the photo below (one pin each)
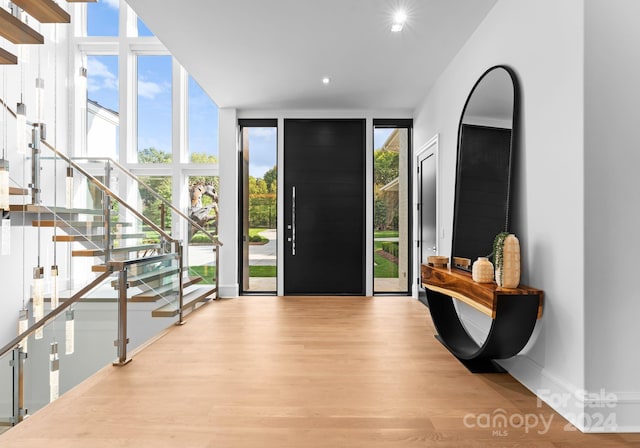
(103, 18)
(391, 211)
(154, 111)
(203, 125)
(103, 117)
(258, 214)
(162, 125)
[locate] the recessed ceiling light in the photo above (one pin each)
(399, 19)
(326, 80)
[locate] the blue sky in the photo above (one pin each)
(154, 89)
(263, 149)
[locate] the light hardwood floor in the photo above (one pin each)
(296, 372)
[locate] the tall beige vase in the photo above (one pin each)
(508, 276)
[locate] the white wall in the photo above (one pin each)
(543, 42)
(228, 202)
(612, 213)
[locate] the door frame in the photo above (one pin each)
(282, 191)
(430, 148)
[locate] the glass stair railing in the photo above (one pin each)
(126, 276)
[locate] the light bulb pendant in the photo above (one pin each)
(69, 188)
(38, 299)
(5, 234)
(4, 184)
(70, 333)
(40, 99)
(54, 373)
(21, 129)
(23, 325)
(55, 298)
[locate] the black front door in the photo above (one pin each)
(324, 207)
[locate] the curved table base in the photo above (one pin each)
(515, 318)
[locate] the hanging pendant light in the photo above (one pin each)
(4, 163)
(69, 188)
(23, 325)
(40, 99)
(4, 184)
(5, 234)
(55, 297)
(38, 298)
(54, 373)
(21, 128)
(70, 333)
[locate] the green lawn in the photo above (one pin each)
(262, 271)
(208, 272)
(386, 234)
(383, 268)
(255, 237)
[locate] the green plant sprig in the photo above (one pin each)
(498, 252)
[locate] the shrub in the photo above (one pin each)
(391, 247)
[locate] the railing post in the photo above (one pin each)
(180, 248)
(162, 216)
(36, 134)
(122, 340)
(17, 363)
(106, 214)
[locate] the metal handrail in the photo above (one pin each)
(6, 106)
(110, 193)
(120, 265)
(63, 306)
(213, 238)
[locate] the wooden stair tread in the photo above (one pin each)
(73, 224)
(32, 208)
(72, 238)
(100, 252)
(7, 58)
(147, 277)
(15, 191)
(189, 300)
(154, 294)
(44, 11)
(16, 31)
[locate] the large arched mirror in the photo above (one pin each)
(486, 136)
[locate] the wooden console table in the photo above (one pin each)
(513, 312)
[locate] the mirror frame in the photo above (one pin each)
(513, 150)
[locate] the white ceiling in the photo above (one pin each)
(272, 54)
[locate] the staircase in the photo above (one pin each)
(114, 235)
(121, 266)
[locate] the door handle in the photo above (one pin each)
(293, 220)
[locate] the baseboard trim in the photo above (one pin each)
(228, 291)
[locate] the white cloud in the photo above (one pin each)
(99, 76)
(149, 89)
(112, 3)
